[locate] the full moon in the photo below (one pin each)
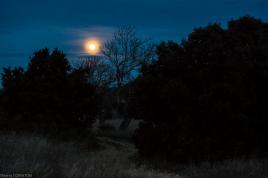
(92, 46)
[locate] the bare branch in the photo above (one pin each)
(126, 52)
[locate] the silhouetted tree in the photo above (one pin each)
(12, 82)
(126, 53)
(49, 96)
(205, 98)
(99, 72)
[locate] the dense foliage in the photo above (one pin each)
(48, 96)
(206, 98)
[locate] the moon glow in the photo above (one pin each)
(92, 47)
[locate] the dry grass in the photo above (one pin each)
(45, 158)
(253, 168)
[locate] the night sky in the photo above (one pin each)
(28, 25)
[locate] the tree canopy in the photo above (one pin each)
(49, 95)
(207, 97)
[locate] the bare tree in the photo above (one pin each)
(126, 52)
(99, 72)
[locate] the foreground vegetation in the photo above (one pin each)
(43, 157)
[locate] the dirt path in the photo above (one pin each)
(117, 144)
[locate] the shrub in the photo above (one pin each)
(49, 96)
(205, 98)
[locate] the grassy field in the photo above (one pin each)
(45, 158)
(42, 157)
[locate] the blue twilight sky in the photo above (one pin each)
(28, 25)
